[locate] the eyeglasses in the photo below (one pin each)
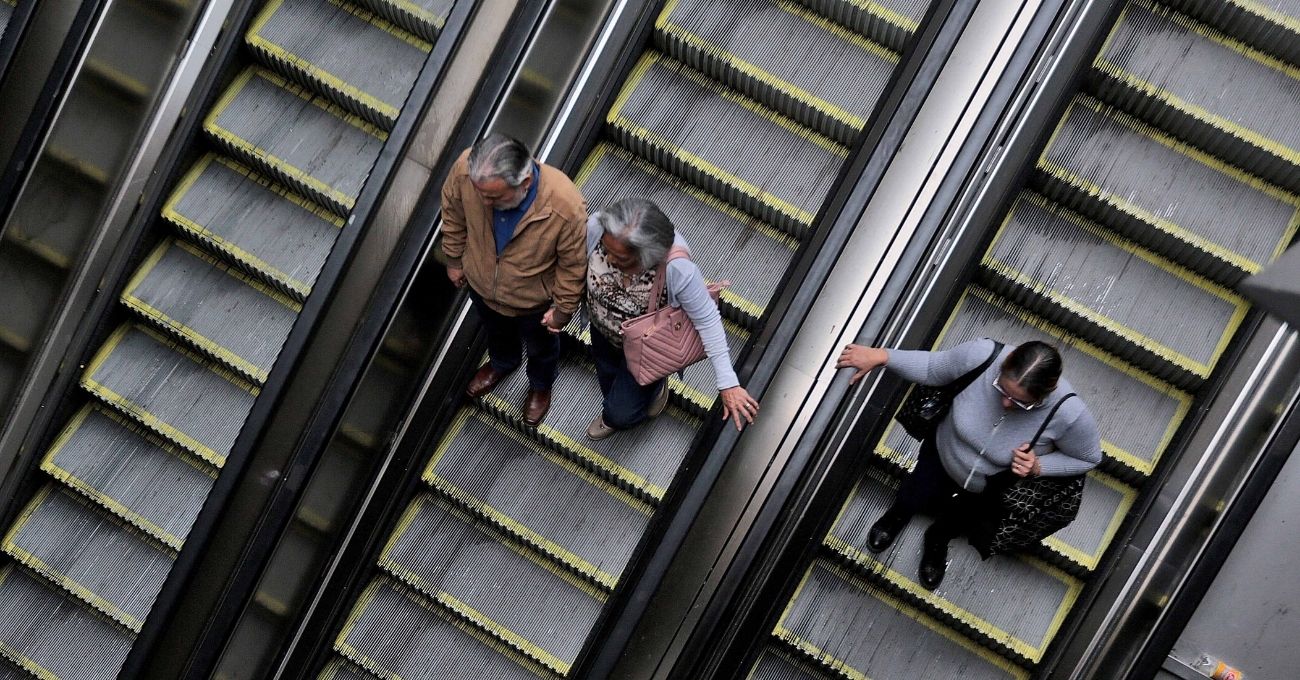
(1024, 406)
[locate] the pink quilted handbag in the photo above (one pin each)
(663, 340)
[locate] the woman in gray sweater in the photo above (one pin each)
(984, 439)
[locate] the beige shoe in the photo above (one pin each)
(661, 401)
(598, 430)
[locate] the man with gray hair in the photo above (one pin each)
(514, 231)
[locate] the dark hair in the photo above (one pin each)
(1036, 366)
(498, 155)
(643, 226)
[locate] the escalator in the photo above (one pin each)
(736, 122)
(284, 154)
(1170, 176)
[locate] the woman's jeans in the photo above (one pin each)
(626, 402)
(929, 489)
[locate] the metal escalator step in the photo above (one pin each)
(185, 399)
(6, 11)
(364, 63)
(398, 635)
(1124, 298)
(725, 243)
(537, 497)
(341, 669)
(641, 461)
(137, 476)
(1014, 605)
(424, 18)
(223, 313)
(776, 665)
(1273, 27)
(859, 631)
(888, 22)
(95, 130)
(1204, 87)
(768, 165)
(91, 554)
(40, 625)
(56, 211)
(127, 48)
(783, 56)
(32, 287)
(271, 232)
(1165, 194)
(300, 139)
(521, 598)
(8, 669)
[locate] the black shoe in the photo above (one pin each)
(934, 561)
(885, 530)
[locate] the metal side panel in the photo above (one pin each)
(859, 631)
(223, 313)
(51, 221)
(1219, 94)
(32, 289)
(889, 22)
(817, 73)
(424, 18)
(397, 635)
(38, 626)
(91, 554)
(128, 47)
(185, 399)
(537, 497)
(671, 114)
(271, 232)
(330, 493)
(95, 129)
(297, 137)
(777, 665)
(137, 476)
(1268, 25)
(513, 594)
(362, 62)
(1105, 164)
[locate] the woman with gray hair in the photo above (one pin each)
(626, 243)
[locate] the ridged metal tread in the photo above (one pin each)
(856, 630)
(221, 312)
(269, 231)
(725, 243)
(1203, 87)
(363, 63)
(1014, 605)
(642, 461)
(130, 472)
(341, 669)
(6, 11)
(770, 166)
(297, 137)
(131, 34)
(183, 398)
(773, 664)
(397, 634)
(537, 497)
(424, 18)
(52, 219)
(816, 72)
(888, 22)
(32, 289)
(1268, 25)
(1144, 308)
(513, 594)
(95, 130)
(39, 625)
(1105, 164)
(91, 554)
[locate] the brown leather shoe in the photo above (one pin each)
(539, 402)
(483, 381)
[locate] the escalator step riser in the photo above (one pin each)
(890, 22)
(274, 234)
(725, 243)
(218, 310)
(144, 481)
(180, 396)
(1203, 87)
(286, 132)
(396, 634)
(646, 458)
(370, 78)
(1102, 162)
(776, 665)
(671, 115)
(340, 669)
(38, 627)
(781, 55)
(825, 621)
(519, 597)
(23, 317)
(1015, 606)
(1272, 27)
(89, 553)
(424, 18)
(1119, 296)
(9, 671)
(538, 498)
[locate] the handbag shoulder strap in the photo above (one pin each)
(1043, 428)
(960, 384)
(661, 276)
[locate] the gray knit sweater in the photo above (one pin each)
(977, 438)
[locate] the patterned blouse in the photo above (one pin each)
(610, 302)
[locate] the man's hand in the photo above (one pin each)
(457, 276)
(1024, 462)
(555, 320)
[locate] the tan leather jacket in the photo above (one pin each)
(544, 263)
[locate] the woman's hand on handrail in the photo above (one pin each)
(864, 359)
(737, 404)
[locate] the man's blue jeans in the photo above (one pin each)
(505, 333)
(626, 403)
